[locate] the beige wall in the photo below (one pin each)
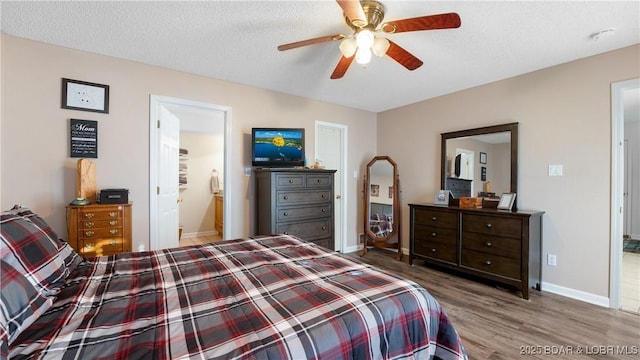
(38, 172)
(565, 118)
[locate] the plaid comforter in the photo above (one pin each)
(265, 298)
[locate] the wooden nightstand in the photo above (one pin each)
(97, 230)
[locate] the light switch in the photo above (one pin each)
(555, 170)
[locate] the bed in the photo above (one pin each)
(271, 297)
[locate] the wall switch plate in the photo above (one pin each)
(551, 260)
(247, 171)
(555, 170)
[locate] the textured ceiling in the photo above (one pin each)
(237, 40)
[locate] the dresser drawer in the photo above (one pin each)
(285, 198)
(308, 230)
(97, 224)
(319, 180)
(494, 264)
(492, 225)
(325, 243)
(495, 245)
(443, 219)
(429, 234)
(106, 213)
(99, 233)
(435, 250)
(290, 181)
(100, 247)
(303, 212)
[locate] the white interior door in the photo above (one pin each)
(168, 193)
(330, 151)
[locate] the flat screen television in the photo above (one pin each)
(277, 147)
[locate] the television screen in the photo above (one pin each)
(273, 147)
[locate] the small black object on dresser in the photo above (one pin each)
(296, 202)
(502, 246)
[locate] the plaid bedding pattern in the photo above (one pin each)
(265, 298)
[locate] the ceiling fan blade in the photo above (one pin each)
(403, 57)
(342, 67)
(429, 22)
(313, 41)
(353, 11)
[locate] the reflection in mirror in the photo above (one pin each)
(480, 162)
(381, 205)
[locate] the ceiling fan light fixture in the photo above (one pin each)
(380, 46)
(363, 56)
(364, 39)
(348, 47)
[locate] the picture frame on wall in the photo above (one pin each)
(506, 201)
(483, 157)
(85, 96)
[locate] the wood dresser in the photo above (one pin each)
(219, 213)
(97, 230)
(296, 202)
(501, 246)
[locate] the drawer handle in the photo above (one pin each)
(113, 223)
(489, 244)
(285, 214)
(318, 181)
(433, 234)
(324, 228)
(89, 224)
(113, 214)
(324, 196)
(434, 218)
(113, 231)
(433, 250)
(489, 226)
(89, 245)
(89, 215)
(285, 197)
(114, 243)
(488, 262)
(290, 181)
(88, 233)
(323, 210)
(286, 233)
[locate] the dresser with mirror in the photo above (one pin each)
(504, 246)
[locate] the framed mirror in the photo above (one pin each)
(480, 162)
(382, 205)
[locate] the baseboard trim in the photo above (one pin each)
(576, 294)
(196, 234)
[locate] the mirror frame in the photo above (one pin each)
(510, 127)
(370, 239)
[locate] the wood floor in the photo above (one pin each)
(496, 323)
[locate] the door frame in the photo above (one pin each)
(155, 102)
(343, 180)
(617, 187)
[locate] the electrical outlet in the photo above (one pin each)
(551, 260)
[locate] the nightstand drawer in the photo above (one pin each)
(100, 247)
(109, 212)
(492, 225)
(99, 233)
(97, 224)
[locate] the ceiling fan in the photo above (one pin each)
(365, 19)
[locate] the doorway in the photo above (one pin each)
(164, 164)
(625, 266)
(330, 151)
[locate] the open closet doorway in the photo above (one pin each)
(625, 196)
(188, 160)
